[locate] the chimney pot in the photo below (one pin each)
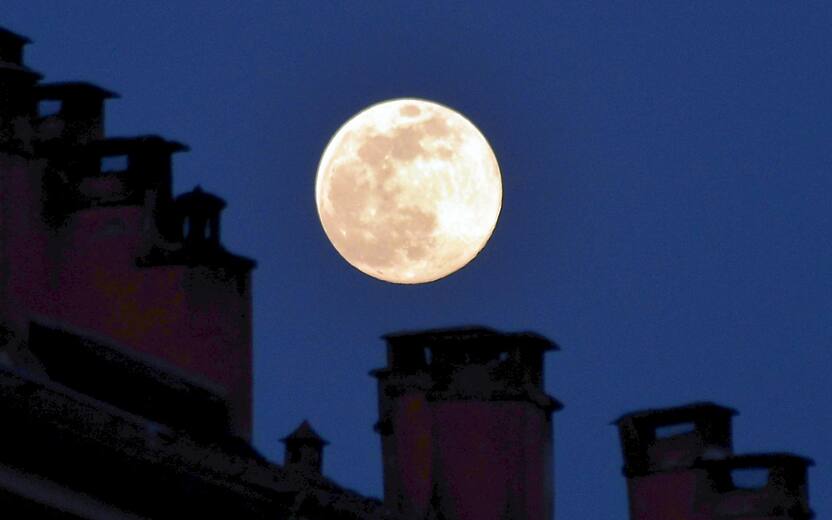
(304, 449)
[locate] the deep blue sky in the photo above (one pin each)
(667, 215)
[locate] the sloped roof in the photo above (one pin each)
(304, 434)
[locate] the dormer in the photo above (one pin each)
(72, 112)
(674, 438)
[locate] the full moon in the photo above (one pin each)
(408, 191)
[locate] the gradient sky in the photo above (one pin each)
(667, 217)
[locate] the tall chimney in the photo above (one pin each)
(304, 450)
(466, 425)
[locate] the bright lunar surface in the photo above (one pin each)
(408, 191)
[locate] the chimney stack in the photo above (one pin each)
(71, 112)
(466, 425)
(772, 485)
(304, 450)
(679, 464)
(200, 214)
(17, 101)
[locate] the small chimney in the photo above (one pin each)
(72, 111)
(674, 438)
(200, 212)
(304, 449)
(17, 102)
(11, 47)
(760, 485)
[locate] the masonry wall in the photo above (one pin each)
(101, 249)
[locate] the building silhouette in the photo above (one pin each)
(125, 366)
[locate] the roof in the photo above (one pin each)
(11, 54)
(75, 440)
(129, 381)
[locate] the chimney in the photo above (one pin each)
(17, 102)
(466, 425)
(71, 112)
(304, 450)
(122, 171)
(11, 47)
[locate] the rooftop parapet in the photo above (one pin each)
(674, 438)
(760, 485)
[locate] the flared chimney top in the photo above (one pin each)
(11, 46)
(466, 336)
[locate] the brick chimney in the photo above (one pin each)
(17, 100)
(466, 425)
(200, 214)
(72, 112)
(759, 486)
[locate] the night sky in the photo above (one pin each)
(667, 214)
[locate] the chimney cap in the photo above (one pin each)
(676, 413)
(757, 460)
(13, 36)
(199, 198)
(304, 434)
(128, 145)
(462, 336)
(65, 89)
(11, 54)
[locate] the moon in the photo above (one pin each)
(408, 191)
